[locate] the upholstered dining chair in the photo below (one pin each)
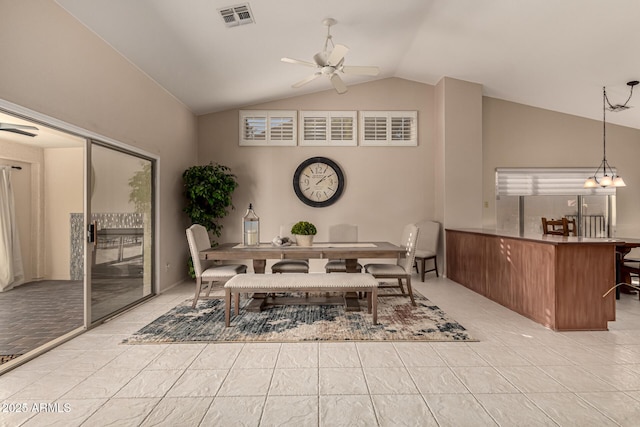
(289, 265)
(427, 247)
(630, 269)
(341, 233)
(402, 269)
(206, 271)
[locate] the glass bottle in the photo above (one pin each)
(250, 228)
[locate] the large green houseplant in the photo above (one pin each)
(208, 191)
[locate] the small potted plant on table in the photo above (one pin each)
(304, 232)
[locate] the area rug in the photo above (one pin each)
(4, 358)
(398, 320)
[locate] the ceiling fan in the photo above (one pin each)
(330, 62)
(21, 129)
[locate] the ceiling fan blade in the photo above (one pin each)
(297, 61)
(306, 80)
(361, 70)
(6, 126)
(21, 132)
(337, 54)
(320, 58)
(338, 84)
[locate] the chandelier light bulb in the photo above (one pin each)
(591, 182)
(606, 181)
(619, 182)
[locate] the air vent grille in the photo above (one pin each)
(236, 15)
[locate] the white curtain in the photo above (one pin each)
(11, 270)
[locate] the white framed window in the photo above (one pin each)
(388, 128)
(336, 128)
(268, 127)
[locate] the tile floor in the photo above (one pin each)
(36, 313)
(519, 374)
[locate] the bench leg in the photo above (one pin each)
(227, 307)
(237, 303)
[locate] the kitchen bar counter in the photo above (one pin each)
(554, 280)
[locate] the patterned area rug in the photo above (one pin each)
(4, 358)
(398, 320)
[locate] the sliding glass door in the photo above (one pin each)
(120, 231)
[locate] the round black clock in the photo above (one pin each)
(318, 182)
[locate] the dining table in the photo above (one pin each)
(259, 254)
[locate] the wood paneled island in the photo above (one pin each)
(554, 280)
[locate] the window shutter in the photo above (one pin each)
(402, 128)
(281, 128)
(342, 129)
(264, 127)
(315, 128)
(389, 128)
(254, 128)
(335, 128)
(375, 128)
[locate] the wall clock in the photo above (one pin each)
(318, 182)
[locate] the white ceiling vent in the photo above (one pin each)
(236, 15)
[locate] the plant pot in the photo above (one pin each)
(304, 240)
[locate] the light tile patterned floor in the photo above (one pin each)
(519, 374)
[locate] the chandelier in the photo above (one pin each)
(613, 179)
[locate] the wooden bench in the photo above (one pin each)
(302, 282)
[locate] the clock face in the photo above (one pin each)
(318, 182)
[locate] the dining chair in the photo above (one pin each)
(207, 271)
(559, 227)
(629, 270)
(289, 265)
(341, 233)
(427, 247)
(402, 269)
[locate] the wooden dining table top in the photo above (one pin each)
(231, 251)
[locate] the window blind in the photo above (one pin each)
(547, 182)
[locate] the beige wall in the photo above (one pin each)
(63, 195)
(55, 66)
(516, 135)
(386, 187)
(460, 142)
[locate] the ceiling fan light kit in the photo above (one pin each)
(330, 63)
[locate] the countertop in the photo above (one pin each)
(542, 238)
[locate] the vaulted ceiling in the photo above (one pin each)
(553, 54)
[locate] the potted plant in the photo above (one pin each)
(304, 232)
(208, 190)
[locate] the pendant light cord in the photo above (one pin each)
(604, 127)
